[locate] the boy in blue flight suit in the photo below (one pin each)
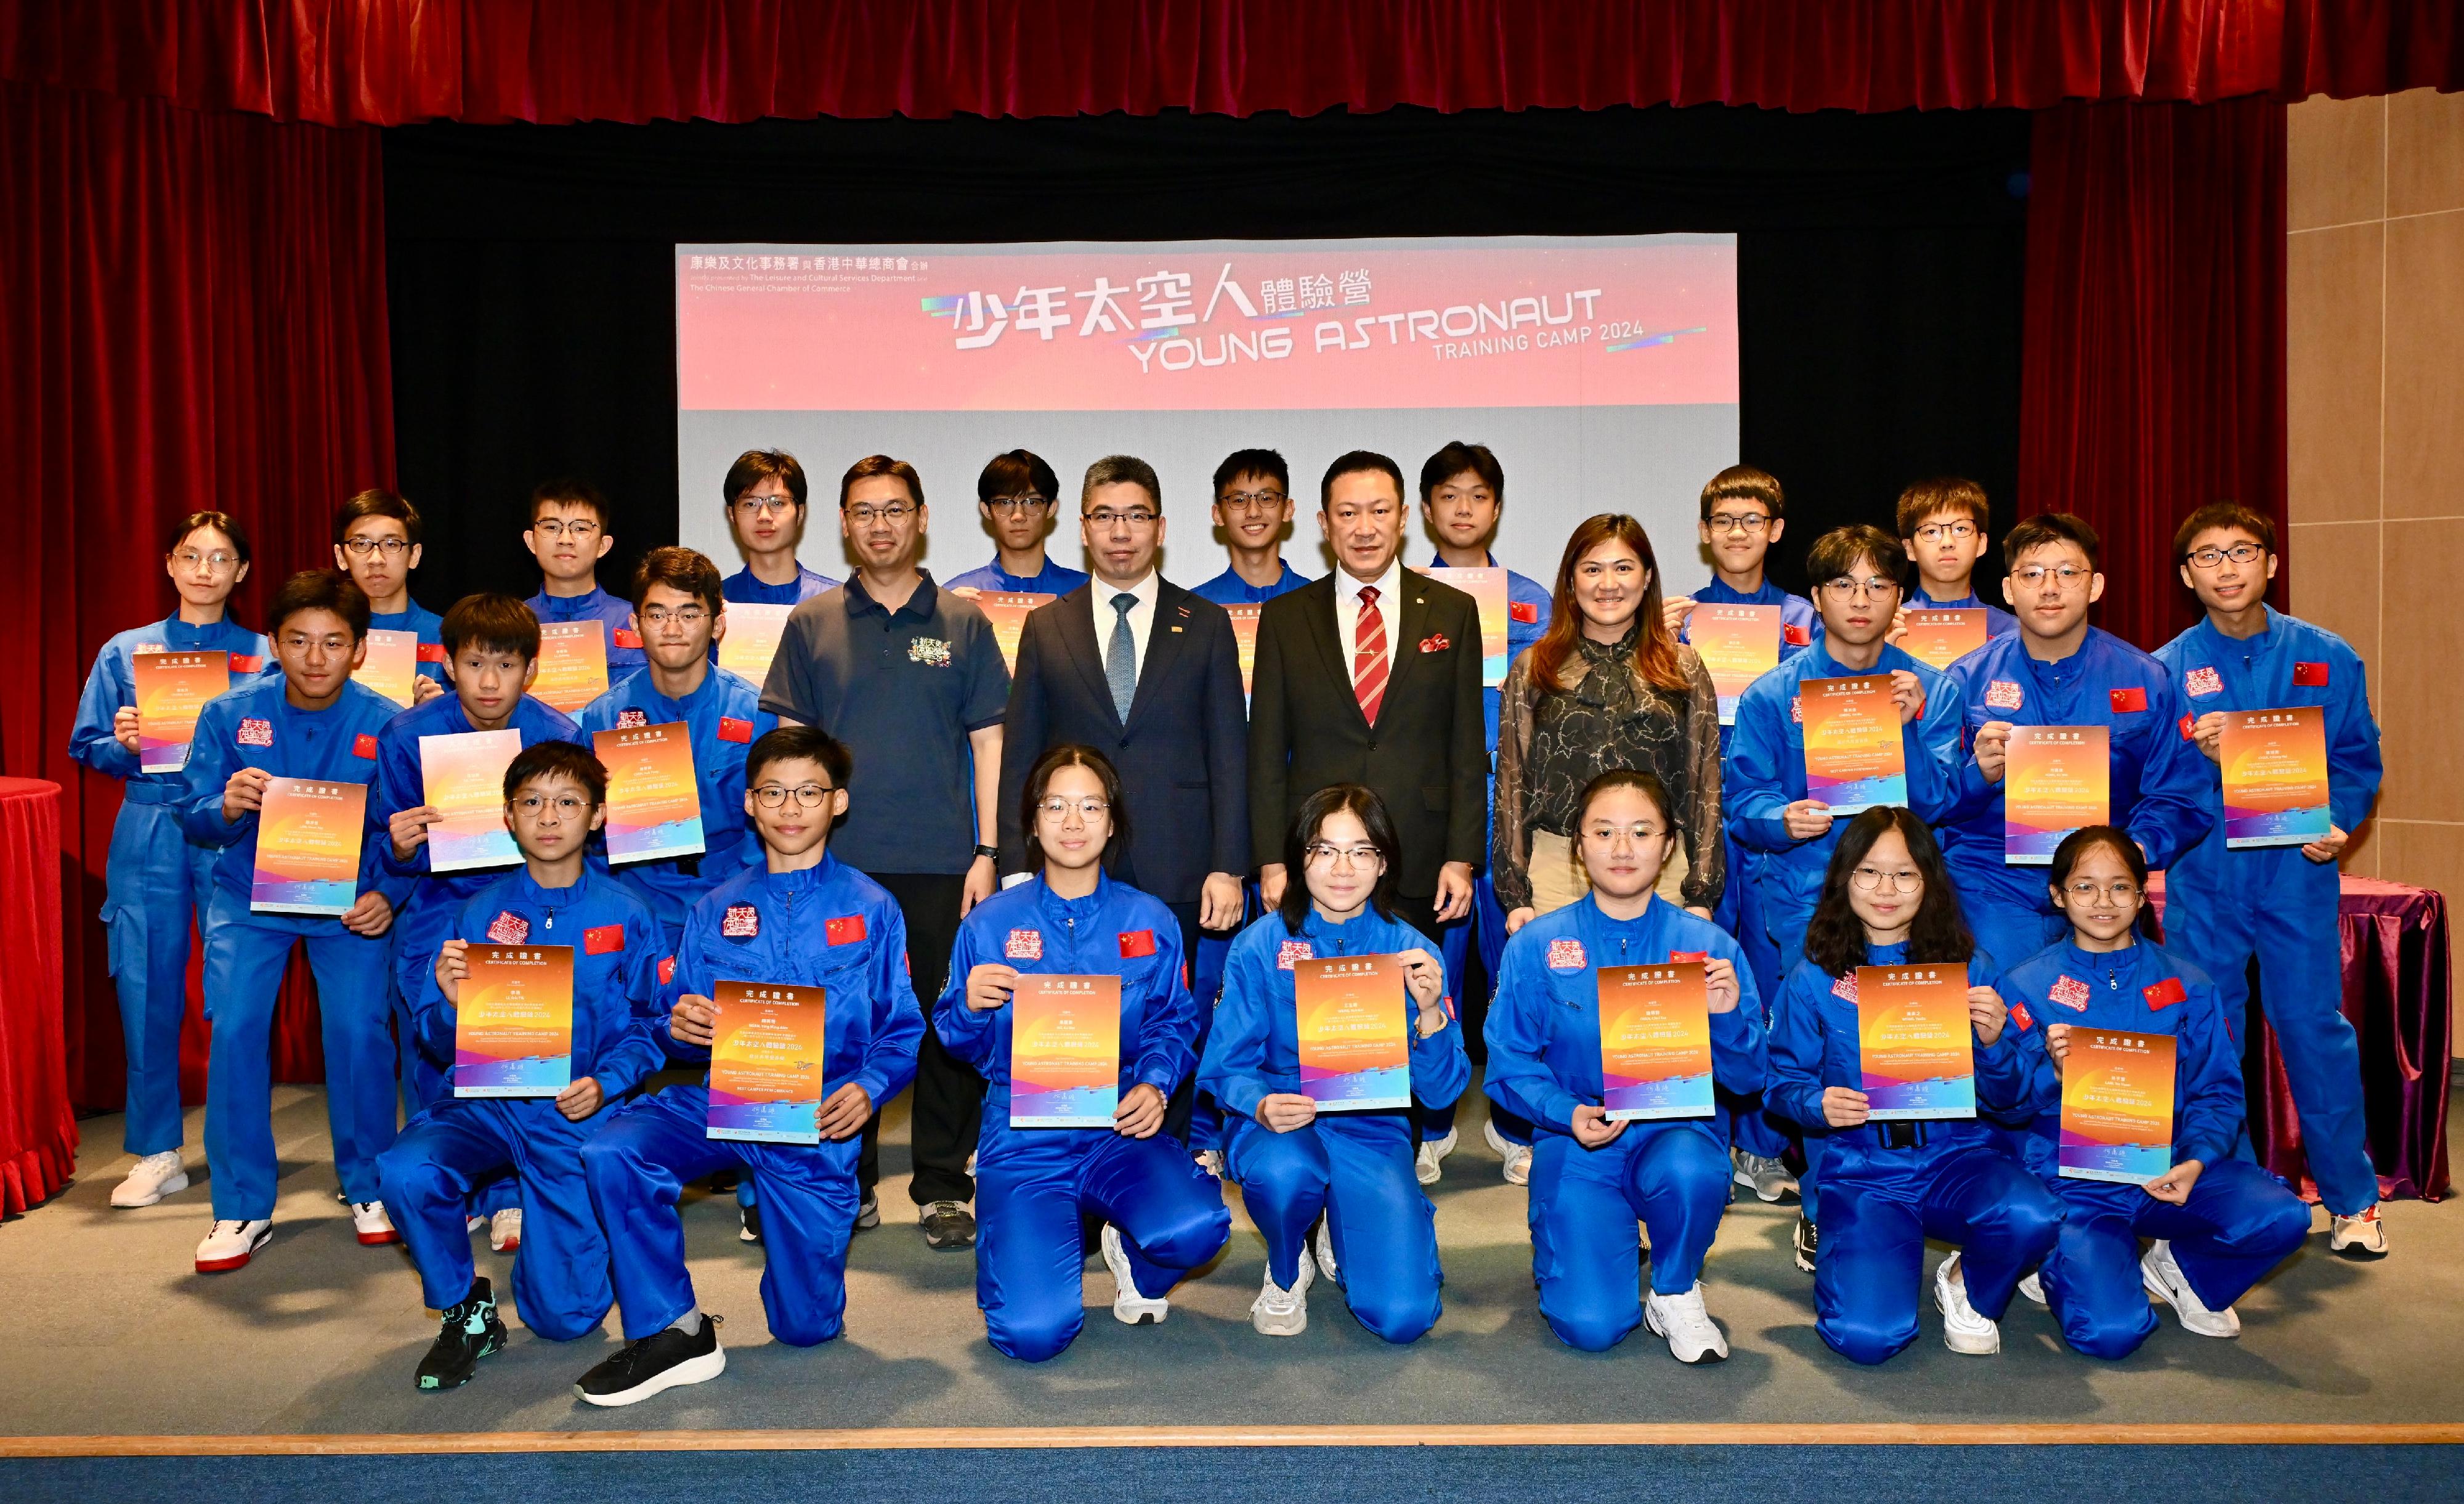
(155, 880)
(568, 536)
(2277, 903)
(311, 723)
(799, 918)
(764, 495)
(1253, 506)
(2059, 671)
(556, 794)
(377, 538)
(1015, 496)
(1941, 529)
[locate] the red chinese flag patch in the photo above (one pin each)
(254, 663)
(845, 930)
(2310, 675)
(627, 637)
(1683, 956)
(603, 939)
(1526, 612)
(2128, 701)
(364, 745)
(1137, 943)
(431, 653)
(2163, 994)
(730, 729)
(1796, 636)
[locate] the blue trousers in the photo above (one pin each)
(1033, 1188)
(155, 885)
(560, 1284)
(1673, 1176)
(244, 956)
(639, 1163)
(1879, 1206)
(2280, 908)
(2238, 1223)
(414, 940)
(1357, 1168)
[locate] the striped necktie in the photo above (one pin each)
(1368, 655)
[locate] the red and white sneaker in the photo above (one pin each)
(2361, 1236)
(505, 1230)
(231, 1243)
(370, 1221)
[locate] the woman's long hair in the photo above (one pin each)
(1315, 812)
(1655, 647)
(1836, 939)
(1039, 782)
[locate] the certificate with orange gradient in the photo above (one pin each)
(1654, 1041)
(463, 774)
(390, 664)
(653, 799)
(308, 834)
(1245, 642)
(1354, 1031)
(1006, 610)
(2275, 765)
(766, 1047)
(1487, 589)
(753, 634)
(1737, 644)
(171, 689)
(1854, 755)
(1913, 1042)
(1065, 1050)
(2054, 780)
(2117, 1106)
(572, 664)
(1940, 635)
(513, 1031)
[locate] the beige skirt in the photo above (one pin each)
(1558, 879)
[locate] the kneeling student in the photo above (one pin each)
(1294, 1162)
(555, 796)
(1592, 1178)
(798, 918)
(1162, 1215)
(2219, 1223)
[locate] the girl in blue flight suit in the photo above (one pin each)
(156, 881)
(1162, 1215)
(1356, 1167)
(2219, 1223)
(1888, 1187)
(1592, 1178)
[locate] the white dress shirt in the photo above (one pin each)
(1141, 615)
(1347, 613)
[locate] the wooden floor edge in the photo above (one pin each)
(909, 1439)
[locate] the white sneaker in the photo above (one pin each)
(150, 1180)
(1128, 1307)
(1278, 1312)
(1692, 1337)
(2163, 1279)
(2361, 1236)
(1325, 1246)
(472, 1223)
(1517, 1156)
(504, 1230)
(1963, 1330)
(1433, 1154)
(2033, 1287)
(370, 1221)
(231, 1243)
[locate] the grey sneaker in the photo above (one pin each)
(948, 1226)
(867, 1211)
(1766, 1178)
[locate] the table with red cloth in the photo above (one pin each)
(2396, 994)
(39, 1135)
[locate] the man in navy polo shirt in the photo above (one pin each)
(909, 677)
(568, 536)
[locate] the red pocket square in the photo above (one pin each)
(1434, 642)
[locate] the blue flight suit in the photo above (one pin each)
(827, 926)
(1671, 1174)
(1033, 1186)
(561, 1285)
(2161, 785)
(1228, 588)
(722, 719)
(256, 726)
(425, 624)
(1880, 1203)
(1357, 1168)
(1052, 579)
(155, 880)
(1999, 623)
(2225, 907)
(596, 605)
(741, 586)
(2239, 1221)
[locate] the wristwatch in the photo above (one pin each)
(993, 852)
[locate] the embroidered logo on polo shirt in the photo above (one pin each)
(2203, 681)
(2128, 700)
(1024, 946)
(741, 922)
(1526, 612)
(1136, 944)
(2019, 1016)
(2310, 675)
(732, 729)
(603, 939)
(2070, 992)
(627, 637)
(2003, 694)
(1796, 636)
(509, 928)
(2163, 994)
(1566, 955)
(364, 745)
(931, 652)
(1844, 987)
(845, 930)
(1294, 951)
(256, 733)
(631, 716)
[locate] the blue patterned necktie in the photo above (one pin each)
(1121, 663)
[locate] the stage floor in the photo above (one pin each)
(117, 1336)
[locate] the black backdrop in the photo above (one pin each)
(530, 271)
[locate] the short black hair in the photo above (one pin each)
(1313, 813)
(682, 569)
(1251, 462)
(490, 623)
(1358, 462)
(1456, 458)
(570, 491)
(755, 466)
(795, 743)
(377, 501)
(548, 760)
(1014, 472)
(319, 590)
(2047, 528)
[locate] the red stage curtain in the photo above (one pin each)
(2152, 353)
(191, 315)
(339, 62)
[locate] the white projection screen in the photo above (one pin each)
(1602, 371)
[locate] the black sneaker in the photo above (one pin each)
(748, 1222)
(1804, 1244)
(867, 1212)
(471, 1330)
(948, 1226)
(662, 1361)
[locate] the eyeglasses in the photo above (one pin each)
(1024, 501)
(1605, 832)
(360, 547)
(764, 506)
(2063, 575)
(578, 531)
(1058, 807)
(774, 796)
(2238, 553)
(892, 512)
(1845, 589)
(1936, 532)
(1252, 501)
(1906, 879)
(567, 805)
(1737, 521)
(2120, 890)
(1135, 516)
(685, 616)
(214, 562)
(1355, 856)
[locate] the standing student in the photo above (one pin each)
(1593, 1179)
(1017, 496)
(1253, 506)
(568, 536)
(2059, 671)
(1888, 1186)
(1942, 527)
(556, 795)
(377, 539)
(155, 880)
(2277, 905)
(2219, 1223)
(764, 496)
(1162, 1215)
(908, 676)
(309, 723)
(800, 918)
(1355, 1169)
